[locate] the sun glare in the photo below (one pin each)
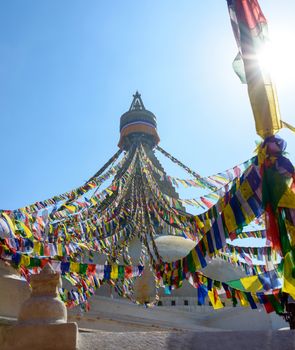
(278, 57)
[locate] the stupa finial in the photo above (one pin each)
(137, 104)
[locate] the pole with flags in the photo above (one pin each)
(278, 176)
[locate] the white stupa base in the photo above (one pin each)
(13, 292)
(35, 337)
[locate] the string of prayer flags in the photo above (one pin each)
(247, 234)
(71, 195)
(212, 181)
(109, 271)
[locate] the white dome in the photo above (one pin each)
(172, 248)
(222, 270)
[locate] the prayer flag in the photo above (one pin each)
(251, 300)
(242, 297)
(114, 272)
(25, 260)
(251, 283)
(214, 299)
(289, 280)
(74, 267)
(250, 30)
(202, 293)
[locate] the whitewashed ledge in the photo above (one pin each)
(130, 338)
(251, 340)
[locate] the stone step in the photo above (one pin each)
(254, 340)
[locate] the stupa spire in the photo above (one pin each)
(137, 123)
(137, 104)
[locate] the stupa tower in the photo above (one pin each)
(137, 123)
(140, 125)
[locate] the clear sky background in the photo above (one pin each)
(68, 70)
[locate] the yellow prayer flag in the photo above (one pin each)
(10, 222)
(289, 281)
(288, 199)
(230, 220)
(243, 300)
(26, 230)
(71, 208)
(246, 190)
(265, 106)
(37, 247)
(183, 183)
(59, 249)
(200, 224)
(114, 272)
(234, 257)
(250, 29)
(25, 260)
(291, 230)
(251, 283)
(207, 222)
(93, 201)
(82, 245)
(215, 300)
(69, 278)
(74, 267)
(196, 259)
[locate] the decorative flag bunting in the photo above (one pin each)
(135, 206)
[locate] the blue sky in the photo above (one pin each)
(68, 70)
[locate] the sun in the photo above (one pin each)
(278, 58)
